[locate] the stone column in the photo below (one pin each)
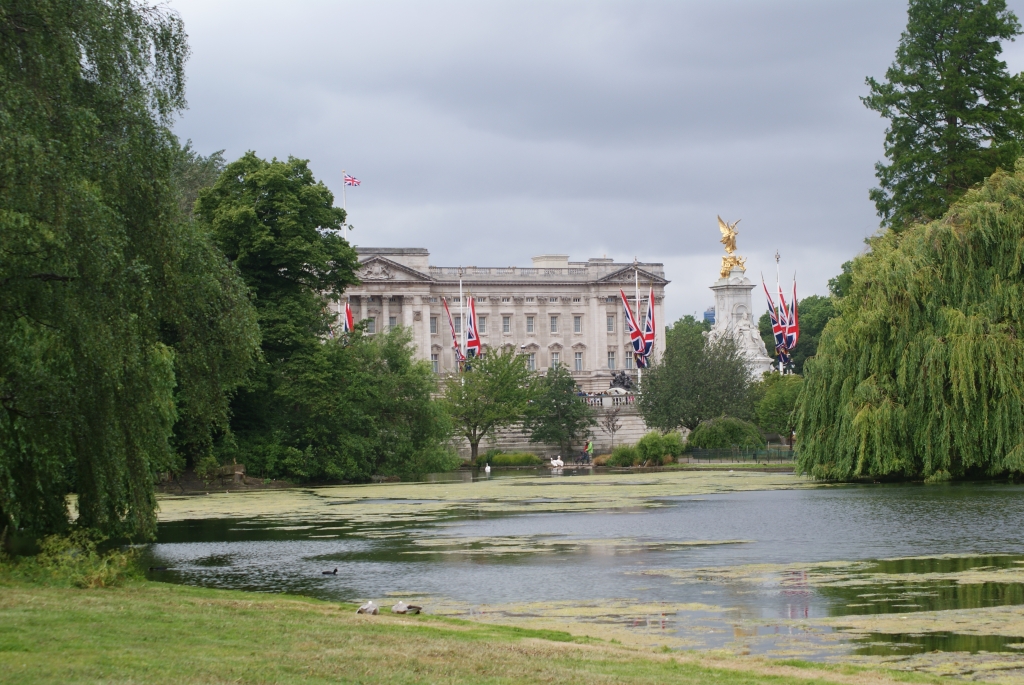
(385, 312)
(362, 308)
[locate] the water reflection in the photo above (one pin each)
(707, 561)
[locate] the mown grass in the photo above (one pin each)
(145, 632)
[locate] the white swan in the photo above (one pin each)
(487, 468)
(557, 462)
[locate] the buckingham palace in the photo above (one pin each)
(554, 312)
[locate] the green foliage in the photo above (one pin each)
(953, 109)
(695, 380)
(672, 443)
(112, 308)
(775, 409)
(193, 173)
(725, 432)
(815, 311)
(839, 284)
(74, 559)
(920, 373)
(509, 459)
(651, 448)
(495, 393)
(624, 456)
(557, 414)
(355, 408)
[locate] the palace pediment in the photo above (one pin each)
(625, 277)
(377, 269)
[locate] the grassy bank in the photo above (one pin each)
(157, 633)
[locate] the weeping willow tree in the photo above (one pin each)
(921, 373)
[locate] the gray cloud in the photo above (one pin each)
(491, 132)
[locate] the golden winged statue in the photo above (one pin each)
(729, 234)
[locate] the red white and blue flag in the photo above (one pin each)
(459, 357)
(785, 328)
(347, 324)
(649, 329)
(472, 335)
(351, 180)
(636, 336)
(792, 322)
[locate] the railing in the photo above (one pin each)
(609, 400)
(737, 454)
(506, 271)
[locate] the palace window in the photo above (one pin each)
(435, 363)
(611, 360)
(554, 359)
(577, 300)
(506, 299)
(483, 324)
(577, 324)
(554, 324)
(529, 324)
(529, 299)
(458, 323)
(629, 361)
(611, 323)
(392, 322)
(578, 361)
(371, 325)
(456, 299)
(552, 299)
(506, 324)
(433, 325)
(531, 361)
(433, 300)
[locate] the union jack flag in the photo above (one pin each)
(792, 322)
(459, 357)
(351, 180)
(636, 337)
(347, 323)
(473, 348)
(778, 329)
(649, 327)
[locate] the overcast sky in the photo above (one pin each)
(490, 132)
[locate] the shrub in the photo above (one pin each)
(514, 459)
(725, 432)
(651, 448)
(673, 444)
(624, 455)
(602, 459)
(74, 559)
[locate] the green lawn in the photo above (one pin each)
(146, 632)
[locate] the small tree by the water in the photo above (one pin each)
(725, 432)
(494, 393)
(558, 414)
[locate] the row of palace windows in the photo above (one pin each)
(506, 324)
(556, 358)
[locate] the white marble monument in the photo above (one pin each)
(733, 311)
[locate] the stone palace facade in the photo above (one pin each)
(555, 312)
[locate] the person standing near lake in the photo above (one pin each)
(589, 449)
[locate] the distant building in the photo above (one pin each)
(555, 312)
(734, 318)
(709, 315)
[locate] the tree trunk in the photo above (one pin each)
(474, 446)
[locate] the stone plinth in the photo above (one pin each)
(734, 318)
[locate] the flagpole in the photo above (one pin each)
(462, 315)
(636, 287)
(778, 289)
(344, 205)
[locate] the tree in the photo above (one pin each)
(278, 226)
(953, 109)
(725, 432)
(494, 394)
(919, 375)
(108, 300)
(695, 380)
(815, 311)
(775, 408)
(358, 407)
(610, 424)
(557, 414)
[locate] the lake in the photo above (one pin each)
(763, 563)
